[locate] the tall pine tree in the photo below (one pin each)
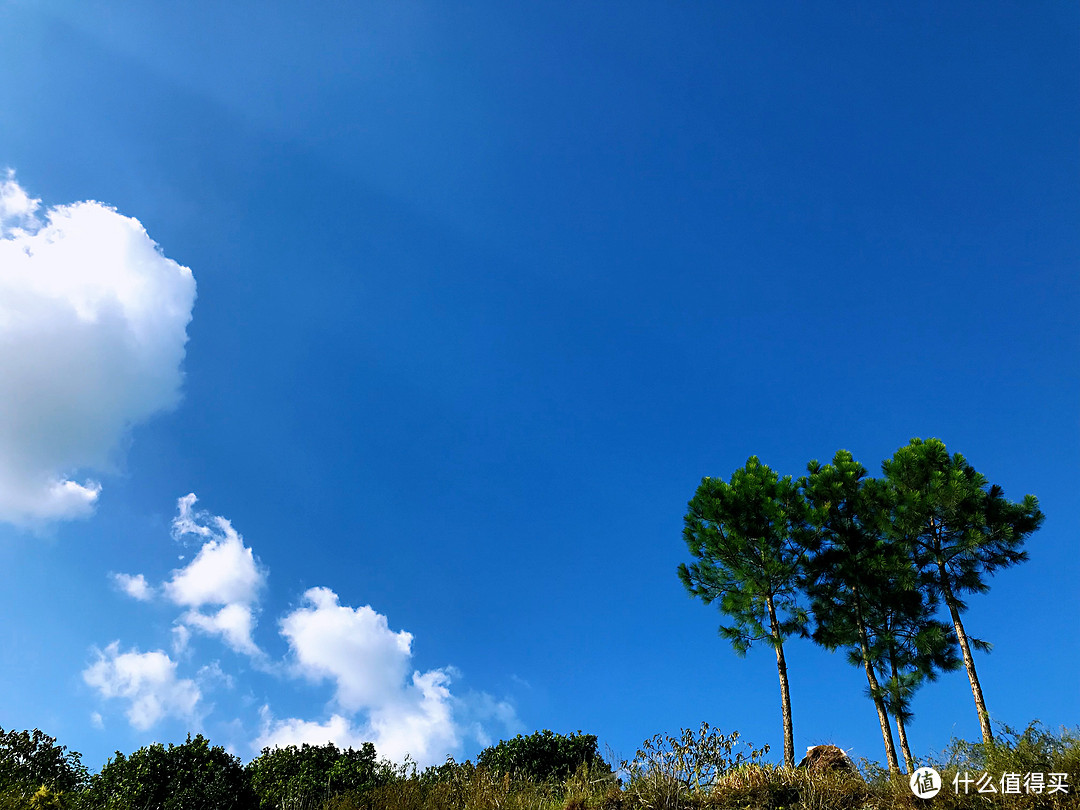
(747, 538)
(959, 530)
(848, 576)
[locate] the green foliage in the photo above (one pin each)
(294, 778)
(463, 786)
(32, 759)
(542, 756)
(190, 776)
(703, 770)
(746, 536)
(959, 527)
(1033, 749)
(45, 798)
(864, 589)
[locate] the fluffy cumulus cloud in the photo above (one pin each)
(377, 698)
(220, 587)
(223, 572)
(353, 647)
(93, 324)
(147, 681)
(377, 694)
(233, 623)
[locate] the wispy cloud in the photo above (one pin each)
(93, 324)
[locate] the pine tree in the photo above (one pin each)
(959, 530)
(912, 647)
(848, 577)
(746, 536)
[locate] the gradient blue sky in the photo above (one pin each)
(484, 290)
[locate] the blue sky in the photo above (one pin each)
(453, 308)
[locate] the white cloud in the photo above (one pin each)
(378, 696)
(280, 733)
(369, 666)
(18, 210)
(223, 575)
(134, 586)
(223, 572)
(181, 637)
(210, 675)
(419, 722)
(234, 623)
(188, 521)
(148, 681)
(93, 322)
(355, 648)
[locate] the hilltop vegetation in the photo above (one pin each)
(703, 770)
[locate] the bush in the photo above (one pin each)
(300, 777)
(190, 776)
(673, 772)
(543, 756)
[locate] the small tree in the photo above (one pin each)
(959, 530)
(747, 538)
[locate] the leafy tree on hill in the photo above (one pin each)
(543, 756)
(749, 541)
(190, 776)
(959, 530)
(31, 759)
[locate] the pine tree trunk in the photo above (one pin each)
(901, 733)
(875, 689)
(965, 649)
(879, 704)
(901, 726)
(785, 695)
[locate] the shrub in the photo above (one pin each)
(295, 778)
(673, 772)
(543, 756)
(190, 776)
